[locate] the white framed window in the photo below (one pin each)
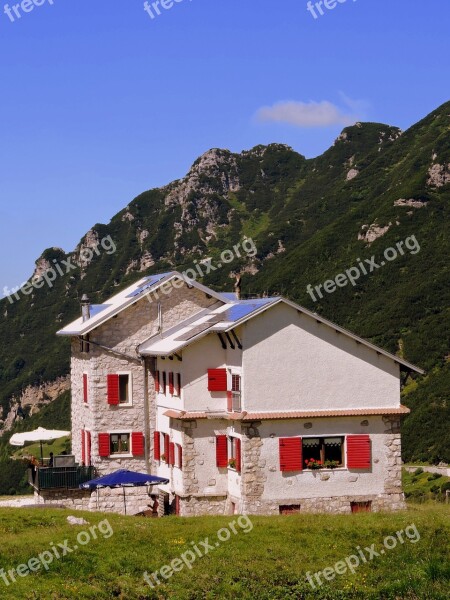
(120, 444)
(125, 388)
(236, 391)
(177, 385)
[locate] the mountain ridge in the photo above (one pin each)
(309, 219)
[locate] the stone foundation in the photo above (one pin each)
(107, 501)
(137, 500)
(196, 506)
(334, 505)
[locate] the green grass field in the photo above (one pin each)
(269, 562)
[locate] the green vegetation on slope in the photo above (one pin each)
(421, 486)
(305, 217)
(13, 472)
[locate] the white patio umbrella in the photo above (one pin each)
(38, 435)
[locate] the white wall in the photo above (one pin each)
(308, 483)
(292, 362)
(206, 354)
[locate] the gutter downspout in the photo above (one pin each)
(146, 416)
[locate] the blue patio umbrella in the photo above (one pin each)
(123, 479)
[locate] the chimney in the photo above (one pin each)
(237, 286)
(85, 308)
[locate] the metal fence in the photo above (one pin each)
(60, 477)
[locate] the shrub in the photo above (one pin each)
(418, 471)
(434, 476)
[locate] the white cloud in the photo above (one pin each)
(309, 114)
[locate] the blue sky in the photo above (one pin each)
(99, 102)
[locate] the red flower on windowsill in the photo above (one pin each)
(313, 464)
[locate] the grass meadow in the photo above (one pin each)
(270, 561)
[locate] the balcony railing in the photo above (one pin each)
(69, 478)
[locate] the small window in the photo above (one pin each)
(165, 447)
(120, 443)
(235, 393)
(178, 456)
(361, 506)
(231, 449)
(85, 346)
(234, 453)
(124, 389)
(177, 385)
(323, 451)
(85, 388)
(289, 509)
(163, 382)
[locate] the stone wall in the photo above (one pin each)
(393, 444)
(123, 334)
(196, 506)
(190, 481)
(253, 468)
(335, 505)
(108, 500)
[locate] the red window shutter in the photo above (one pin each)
(103, 444)
(359, 454)
(178, 384)
(217, 380)
(88, 447)
(171, 386)
(230, 401)
(156, 379)
(237, 453)
(221, 451)
(156, 445)
(137, 443)
(85, 388)
(180, 456)
(291, 458)
(166, 447)
(171, 454)
(113, 389)
(83, 446)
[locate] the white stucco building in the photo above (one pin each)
(253, 406)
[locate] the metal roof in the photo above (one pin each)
(148, 283)
(214, 320)
(100, 313)
(224, 316)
